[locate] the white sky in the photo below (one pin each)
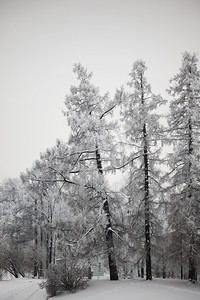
(42, 39)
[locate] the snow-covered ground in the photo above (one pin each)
(21, 289)
(137, 289)
(103, 289)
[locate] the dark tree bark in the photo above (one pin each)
(54, 249)
(147, 213)
(181, 271)
(47, 250)
(49, 237)
(192, 260)
(138, 269)
(89, 272)
(13, 269)
(42, 236)
(142, 269)
(51, 248)
(181, 254)
(146, 194)
(40, 263)
(108, 231)
(35, 264)
(164, 275)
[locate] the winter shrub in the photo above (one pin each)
(68, 277)
(54, 284)
(75, 277)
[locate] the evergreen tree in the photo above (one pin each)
(143, 133)
(91, 144)
(184, 125)
(16, 226)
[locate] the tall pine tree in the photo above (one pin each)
(91, 144)
(143, 132)
(184, 125)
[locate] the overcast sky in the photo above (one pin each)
(42, 39)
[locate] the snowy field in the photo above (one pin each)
(103, 289)
(21, 289)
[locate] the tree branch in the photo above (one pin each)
(106, 112)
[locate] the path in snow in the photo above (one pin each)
(136, 289)
(21, 289)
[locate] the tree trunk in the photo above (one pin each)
(51, 248)
(49, 237)
(47, 250)
(54, 249)
(40, 262)
(164, 269)
(138, 269)
(142, 269)
(13, 268)
(22, 273)
(147, 213)
(146, 193)
(89, 271)
(181, 259)
(108, 229)
(181, 271)
(110, 244)
(42, 238)
(192, 263)
(35, 264)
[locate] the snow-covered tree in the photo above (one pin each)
(184, 125)
(16, 226)
(63, 213)
(143, 135)
(91, 145)
(43, 187)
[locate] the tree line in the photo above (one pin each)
(63, 208)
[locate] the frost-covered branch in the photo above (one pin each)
(125, 242)
(124, 165)
(106, 112)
